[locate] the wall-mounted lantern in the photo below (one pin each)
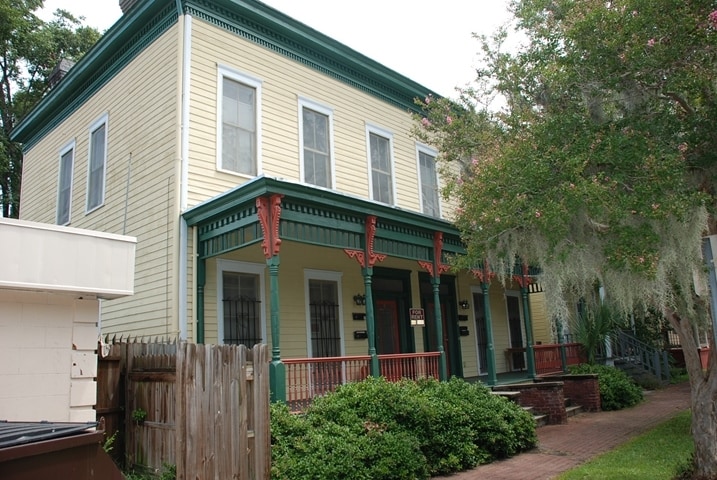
(359, 299)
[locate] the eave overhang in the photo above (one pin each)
(250, 19)
(317, 216)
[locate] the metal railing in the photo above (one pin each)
(622, 346)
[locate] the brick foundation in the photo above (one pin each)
(581, 389)
(545, 397)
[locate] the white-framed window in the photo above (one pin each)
(379, 145)
(324, 317)
(64, 184)
(238, 123)
(316, 143)
(428, 177)
(240, 306)
(97, 164)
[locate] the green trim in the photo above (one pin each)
(121, 44)
(249, 19)
(276, 31)
(315, 216)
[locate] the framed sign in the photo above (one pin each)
(418, 317)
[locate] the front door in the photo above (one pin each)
(388, 338)
(449, 321)
(515, 330)
(481, 332)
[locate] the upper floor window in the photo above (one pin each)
(429, 182)
(316, 144)
(380, 153)
(64, 184)
(97, 164)
(239, 106)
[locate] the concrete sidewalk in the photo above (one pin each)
(587, 435)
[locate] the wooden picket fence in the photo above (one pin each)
(202, 408)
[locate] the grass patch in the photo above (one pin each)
(654, 455)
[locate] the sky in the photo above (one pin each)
(429, 41)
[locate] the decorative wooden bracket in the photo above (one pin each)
(523, 280)
(485, 275)
(437, 252)
(360, 255)
(268, 210)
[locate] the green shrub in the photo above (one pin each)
(617, 390)
(380, 430)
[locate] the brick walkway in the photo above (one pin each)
(562, 447)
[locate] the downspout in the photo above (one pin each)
(184, 176)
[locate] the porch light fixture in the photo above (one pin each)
(464, 304)
(360, 299)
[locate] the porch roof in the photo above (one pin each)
(319, 216)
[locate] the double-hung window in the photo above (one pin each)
(240, 306)
(380, 152)
(316, 144)
(238, 126)
(97, 164)
(429, 182)
(64, 184)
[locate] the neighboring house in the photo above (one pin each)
(51, 281)
(277, 195)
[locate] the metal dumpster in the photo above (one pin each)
(34, 450)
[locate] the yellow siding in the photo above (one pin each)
(283, 82)
(141, 103)
(542, 327)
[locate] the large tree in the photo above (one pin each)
(30, 49)
(599, 164)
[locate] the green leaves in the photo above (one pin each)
(603, 157)
(30, 50)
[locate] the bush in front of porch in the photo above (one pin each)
(381, 430)
(617, 389)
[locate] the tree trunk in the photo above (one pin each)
(703, 388)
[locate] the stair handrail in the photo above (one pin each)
(627, 346)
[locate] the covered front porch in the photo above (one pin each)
(359, 280)
(310, 377)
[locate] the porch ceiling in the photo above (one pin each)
(317, 216)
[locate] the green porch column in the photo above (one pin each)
(374, 366)
(530, 351)
(277, 370)
(490, 354)
(201, 282)
(442, 368)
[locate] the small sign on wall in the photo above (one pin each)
(418, 317)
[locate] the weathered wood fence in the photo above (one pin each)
(203, 408)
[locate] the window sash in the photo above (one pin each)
(98, 159)
(429, 184)
(382, 183)
(242, 308)
(317, 156)
(239, 127)
(324, 318)
(64, 194)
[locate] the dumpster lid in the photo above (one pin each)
(20, 433)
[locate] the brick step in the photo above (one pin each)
(540, 419)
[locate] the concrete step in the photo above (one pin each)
(573, 410)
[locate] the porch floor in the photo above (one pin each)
(504, 378)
